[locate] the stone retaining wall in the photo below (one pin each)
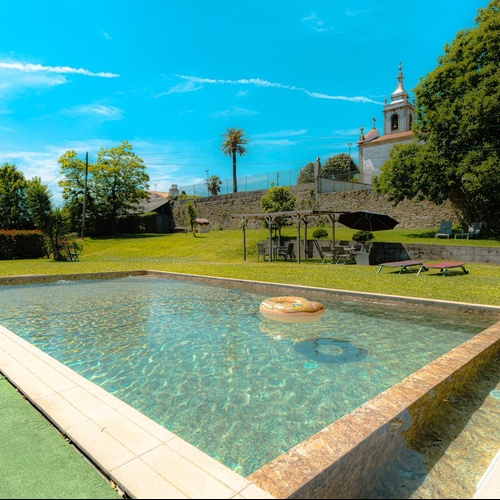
(220, 209)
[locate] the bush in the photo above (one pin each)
(320, 233)
(22, 245)
(363, 236)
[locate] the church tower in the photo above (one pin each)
(374, 148)
(398, 114)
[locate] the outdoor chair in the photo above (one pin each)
(445, 229)
(472, 231)
(262, 250)
(72, 251)
(286, 251)
(325, 252)
(342, 255)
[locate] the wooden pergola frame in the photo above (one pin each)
(298, 216)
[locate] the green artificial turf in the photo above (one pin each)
(36, 461)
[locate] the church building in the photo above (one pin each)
(373, 147)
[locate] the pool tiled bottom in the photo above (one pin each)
(144, 459)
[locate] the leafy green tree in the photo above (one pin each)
(13, 211)
(39, 203)
(214, 184)
(117, 182)
(53, 222)
(191, 213)
(278, 199)
(233, 144)
(306, 174)
(73, 188)
(340, 167)
(456, 156)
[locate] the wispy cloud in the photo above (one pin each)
(233, 111)
(65, 70)
(99, 110)
(315, 23)
(106, 35)
(196, 83)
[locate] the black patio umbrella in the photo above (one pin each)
(367, 221)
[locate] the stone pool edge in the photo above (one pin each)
(319, 467)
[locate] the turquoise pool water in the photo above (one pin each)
(204, 363)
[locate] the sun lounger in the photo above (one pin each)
(403, 264)
(443, 267)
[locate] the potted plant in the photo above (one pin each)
(362, 237)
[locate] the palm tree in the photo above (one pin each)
(233, 143)
(214, 184)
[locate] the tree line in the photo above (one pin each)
(455, 155)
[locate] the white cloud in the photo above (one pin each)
(258, 82)
(34, 68)
(106, 112)
(106, 35)
(315, 23)
(180, 88)
(233, 111)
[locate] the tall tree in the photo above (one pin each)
(340, 167)
(53, 222)
(233, 144)
(72, 170)
(13, 212)
(278, 199)
(117, 182)
(457, 124)
(306, 174)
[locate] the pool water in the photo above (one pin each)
(204, 363)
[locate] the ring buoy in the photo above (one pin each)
(291, 309)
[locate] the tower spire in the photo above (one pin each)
(400, 93)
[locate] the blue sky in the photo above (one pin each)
(171, 76)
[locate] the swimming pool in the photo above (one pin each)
(201, 361)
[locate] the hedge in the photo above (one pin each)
(16, 244)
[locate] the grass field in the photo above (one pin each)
(220, 253)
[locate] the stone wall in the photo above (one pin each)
(219, 209)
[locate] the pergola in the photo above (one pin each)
(298, 216)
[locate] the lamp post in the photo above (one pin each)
(208, 186)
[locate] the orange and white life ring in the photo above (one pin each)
(291, 309)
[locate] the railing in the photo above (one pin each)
(247, 183)
(267, 180)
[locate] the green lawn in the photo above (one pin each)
(219, 253)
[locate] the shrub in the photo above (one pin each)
(22, 245)
(363, 236)
(320, 233)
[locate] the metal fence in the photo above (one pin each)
(247, 183)
(265, 181)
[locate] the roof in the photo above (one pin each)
(154, 203)
(393, 137)
(201, 221)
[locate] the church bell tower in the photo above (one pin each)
(398, 114)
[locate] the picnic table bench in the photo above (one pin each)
(443, 267)
(403, 264)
